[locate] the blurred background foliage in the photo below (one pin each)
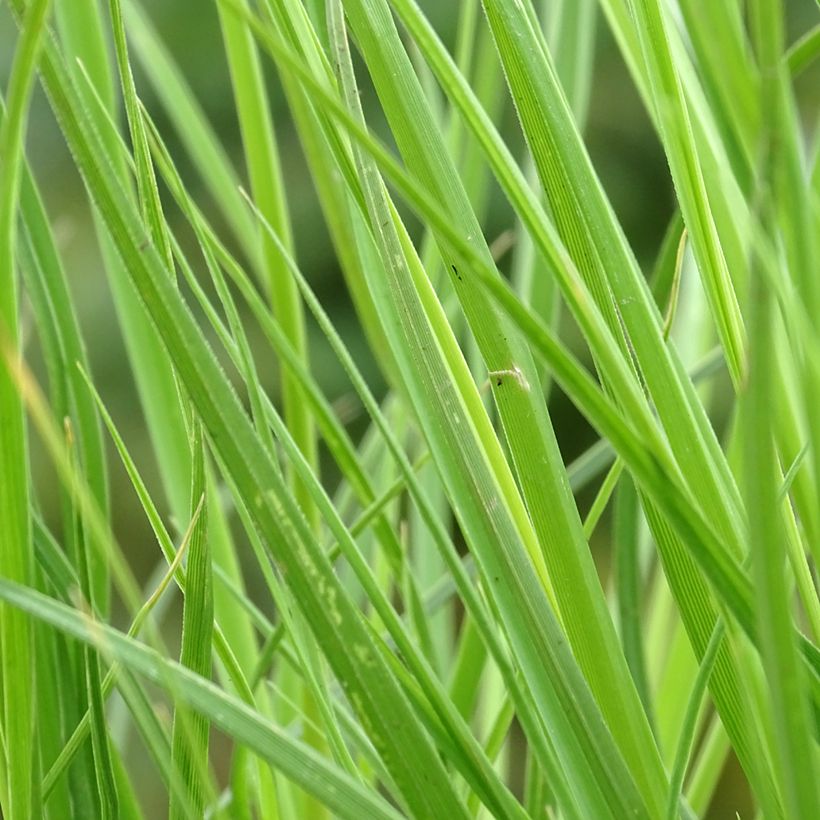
(624, 149)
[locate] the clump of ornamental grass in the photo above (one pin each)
(409, 621)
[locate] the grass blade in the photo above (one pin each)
(189, 755)
(267, 187)
(17, 663)
(299, 762)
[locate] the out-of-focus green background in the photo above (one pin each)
(623, 148)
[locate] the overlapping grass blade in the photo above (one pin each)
(88, 68)
(627, 304)
(262, 159)
(364, 488)
(786, 681)
(334, 621)
(59, 334)
(189, 755)
(409, 308)
(298, 762)
(238, 633)
(503, 352)
(733, 591)
(687, 173)
(20, 796)
(401, 623)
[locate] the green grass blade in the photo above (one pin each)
(173, 461)
(694, 706)
(804, 52)
(88, 67)
(687, 172)
(626, 533)
(47, 287)
(602, 255)
(190, 124)
(62, 344)
(526, 425)
(433, 691)
(785, 678)
(571, 32)
(389, 604)
(16, 558)
(189, 749)
(230, 432)
(540, 337)
(267, 187)
(297, 761)
(463, 582)
(417, 309)
(729, 76)
(667, 377)
(108, 806)
(720, 566)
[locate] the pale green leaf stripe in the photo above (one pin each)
(16, 555)
(333, 618)
(523, 412)
(298, 762)
(729, 581)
